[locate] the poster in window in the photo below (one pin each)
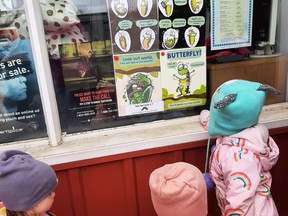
(89, 83)
(183, 77)
(231, 24)
(138, 81)
(178, 26)
(21, 113)
(134, 25)
(181, 23)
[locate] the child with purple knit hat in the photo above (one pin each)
(27, 185)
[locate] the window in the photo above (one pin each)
(21, 112)
(91, 83)
(106, 63)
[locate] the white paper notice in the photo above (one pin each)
(231, 23)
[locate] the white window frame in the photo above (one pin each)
(43, 70)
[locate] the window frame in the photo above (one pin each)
(51, 114)
(43, 71)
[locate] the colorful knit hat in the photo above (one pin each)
(24, 181)
(178, 189)
(235, 106)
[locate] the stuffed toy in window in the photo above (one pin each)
(15, 22)
(61, 24)
(60, 20)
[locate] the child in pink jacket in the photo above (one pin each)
(244, 153)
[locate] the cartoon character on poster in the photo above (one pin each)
(144, 7)
(166, 7)
(138, 83)
(170, 38)
(147, 38)
(120, 8)
(139, 89)
(192, 35)
(123, 40)
(184, 77)
(196, 6)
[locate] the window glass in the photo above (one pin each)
(117, 62)
(94, 46)
(21, 114)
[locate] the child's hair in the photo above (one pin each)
(24, 181)
(15, 213)
(178, 189)
(22, 213)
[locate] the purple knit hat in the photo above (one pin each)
(24, 181)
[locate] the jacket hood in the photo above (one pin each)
(258, 141)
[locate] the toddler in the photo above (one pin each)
(27, 185)
(244, 153)
(178, 189)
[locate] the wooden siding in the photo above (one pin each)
(118, 185)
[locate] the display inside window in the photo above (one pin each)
(120, 63)
(21, 113)
(231, 24)
(265, 18)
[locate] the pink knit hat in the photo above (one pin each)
(178, 189)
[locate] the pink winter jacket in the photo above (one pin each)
(240, 166)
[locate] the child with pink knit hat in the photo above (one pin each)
(178, 189)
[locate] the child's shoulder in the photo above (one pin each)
(2, 209)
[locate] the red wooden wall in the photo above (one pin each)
(118, 185)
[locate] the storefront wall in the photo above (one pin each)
(118, 185)
(105, 170)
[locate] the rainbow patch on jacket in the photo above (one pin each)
(266, 192)
(234, 212)
(238, 143)
(242, 177)
(265, 154)
(263, 177)
(238, 155)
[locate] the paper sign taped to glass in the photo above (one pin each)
(21, 113)
(138, 82)
(89, 83)
(183, 78)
